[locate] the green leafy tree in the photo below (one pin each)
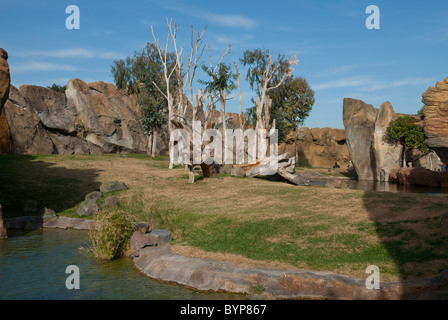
(222, 81)
(57, 88)
(140, 74)
(292, 103)
(291, 98)
(405, 132)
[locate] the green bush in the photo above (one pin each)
(113, 229)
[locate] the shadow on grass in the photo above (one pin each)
(408, 226)
(27, 178)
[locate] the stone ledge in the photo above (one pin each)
(66, 222)
(35, 222)
(217, 276)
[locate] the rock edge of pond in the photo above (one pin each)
(207, 275)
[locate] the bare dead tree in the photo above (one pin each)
(177, 112)
(167, 75)
(263, 102)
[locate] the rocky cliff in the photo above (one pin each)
(4, 92)
(89, 118)
(365, 125)
(4, 78)
(435, 121)
(318, 147)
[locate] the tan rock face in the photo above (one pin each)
(318, 147)
(436, 110)
(110, 119)
(27, 132)
(5, 137)
(365, 126)
(420, 177)
(359, 122)
(387, 157)
(90, 118)
(436, 118)
(5, 78)
(3, 231)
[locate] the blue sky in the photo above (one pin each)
(337, 54)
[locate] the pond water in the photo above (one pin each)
(386, 187)
(32, 266)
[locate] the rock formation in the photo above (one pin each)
(318, 147)
(4, 78)
(435, 120)
(4, 92)
(90, 118)
(419, 177)
(365, 126)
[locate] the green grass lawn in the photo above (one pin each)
(247, 219)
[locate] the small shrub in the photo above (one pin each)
(109, 239)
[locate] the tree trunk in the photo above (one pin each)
(296, 148)
(222, 98)
(190, 173)
(149, 148)
(403, 157)
(154, 143)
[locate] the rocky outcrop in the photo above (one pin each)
(373, 159)
(3, 232)
(110, 119)
(5, 142)
(5, 139)
(359, 122)
(5, 78)
(419, 177)
(435, 121)
(318, 147)
(90, 118)
(388, 157)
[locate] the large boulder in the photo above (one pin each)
(318, 147)
(5, 137)
(373, 159)
(92, 118)
(435, 121)
(388, 157)
(359, 122)
(27, 132)
(52, 108)
(3, 232)
(5, 78)
(109, 118)
(419, 177)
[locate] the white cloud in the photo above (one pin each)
(369, 84)
(228, 20)
(397, 83)
(41, 66)
(342, 83)
(72, 53)
(225, 20)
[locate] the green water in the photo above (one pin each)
(32, 266)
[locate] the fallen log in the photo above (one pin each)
(263, 167)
